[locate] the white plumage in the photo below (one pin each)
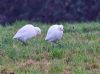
(27, 32)
(54, 33)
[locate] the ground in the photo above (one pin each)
(79, 52)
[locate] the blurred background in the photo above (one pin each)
(49, 11)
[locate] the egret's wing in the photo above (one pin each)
(27, 29)
(51, 35)
(51, 32)
(52, 29)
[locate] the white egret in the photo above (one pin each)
(54, 33)
(27, 32)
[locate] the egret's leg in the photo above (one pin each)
(60, 45)
(24, 43)
(52, 45)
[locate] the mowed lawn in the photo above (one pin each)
(79, 52)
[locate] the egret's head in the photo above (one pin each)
(38, 30)
(61, 27)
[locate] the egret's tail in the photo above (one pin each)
(14, 37)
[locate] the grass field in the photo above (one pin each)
(80, 53)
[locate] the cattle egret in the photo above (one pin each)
(54, 33)
(27, 32)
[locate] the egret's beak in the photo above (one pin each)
(39, 35)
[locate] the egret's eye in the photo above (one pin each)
(61, 29)
(39, 32)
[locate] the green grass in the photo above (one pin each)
(79, 54)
